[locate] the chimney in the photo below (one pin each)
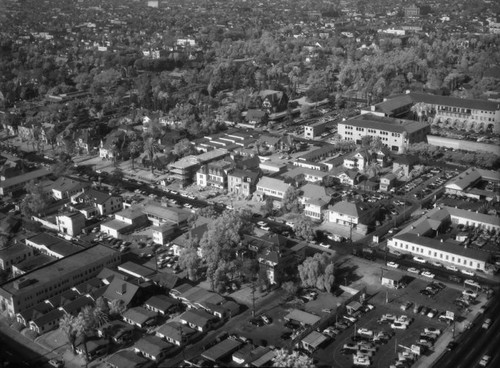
(123, 289)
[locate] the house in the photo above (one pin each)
(310, 175)
(391, 279)
(198, 320)
(136, 270)
(356, 216)
(273, 252)
(403, 164)
(248, 354)
(152, 347)
(161, 304)
(315, 200)
(117, 330)
(213, 174)
(242, 182)
(163, 233)
(313, 341)
(272, 101)
(48, 322)
(127, 359)
(93, 203)
(33, 313)
(64, 187)
(273, 188)
(185, 169)
(346, 176)
(165, 280)
(358, 160)
(62, 299)
(175, 333)
(70, 223)
(139, 316)
(221, 350)
(93, 348)
(387, 182)
(256, 117)
(158, 214)
(122, 290)
(75, 306)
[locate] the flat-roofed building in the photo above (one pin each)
(16, 183)
(396, 134)
(28, 290)
(13, 255)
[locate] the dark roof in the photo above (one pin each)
(444, 246)
(95, 196)
(173, 330)
(122, 290)
(161, 302)
(166, 280)
(196, 317)
(48, 317)
(456, 102)
(76, 305)
(64, 184)
(221, 350)
(371, 121)
(55, 244)
(126, 359)
(151, 345)
(139, 315)
(136, 269)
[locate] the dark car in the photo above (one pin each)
(358, 338)
(286, 335)
(451, 345)
(257, 322)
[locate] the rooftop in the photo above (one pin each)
(371, 121)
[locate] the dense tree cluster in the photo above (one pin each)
(318, 272)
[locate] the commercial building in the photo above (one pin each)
(395, 134)
(28, 290)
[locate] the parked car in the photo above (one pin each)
(406, 305)
(58, 363)
(398, 325)
(486, 323)
(393, 264)
(419, 259)
(484, 361)
(433, 330)
(413, 270)
(428, 274)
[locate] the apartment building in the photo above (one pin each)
(26, 291)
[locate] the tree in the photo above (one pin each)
(290, 288)
(117, 307)
(220, 241)
(189, 259)
(134, 148)
(317, 271)
(304, 228)
(151, 147)
(292, 360)
(291, 200)
(91, 318)
(35, 201)
(71, 326)
(183, 148)
(268, 206)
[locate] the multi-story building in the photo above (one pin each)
(242, 181)
(396, 134)
(13, 255)
(270, 187)
(454, 113)
(184, 169)
(16, 183)
(92, 203)
(28, 290)
(65, 187)
(314, 130)
(71, 223)
(213, 174)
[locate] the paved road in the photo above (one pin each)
(475, 343)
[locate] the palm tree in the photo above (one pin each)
(151, 147)
(117, 307)
(134, 148)
(71, 326)
(92, 318)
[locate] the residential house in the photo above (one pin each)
(123, 290)
(33, 313)
(198, 319)
(273, 252)
(273, 188)
(242, 182)
(272, 101)
(309, 175)
(175, 333)
(47, 322)
(402, 165)
(346, 176)
(256, 117)
(64, 187)
(152, 347)
(387, 182)
(163, 233)
(127, 359)
(75, 306)
(86, 140)
(358, 160)
(140, 317)
(136, 270)
(93, 203)
(93, 347)
(117, 330)
(71, 223)
(193, 234)
(315, 201)
(161, 304)
(356, 216)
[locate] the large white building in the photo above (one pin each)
(396, 134)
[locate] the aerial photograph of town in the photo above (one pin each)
(249, 183)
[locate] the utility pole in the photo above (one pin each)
(253, 298)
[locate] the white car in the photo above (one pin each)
(484, 360)
(451, 268)
(413, 270)
(437, 264)
(469, 293)
(419, 259)
(266, 228)
(432, 330)
(261, 223)
(428, 274)
(324, 245)
(350, 318)
(365, 332)
(468, 273)
(399, 325)
(392, 264)
(404, 319)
